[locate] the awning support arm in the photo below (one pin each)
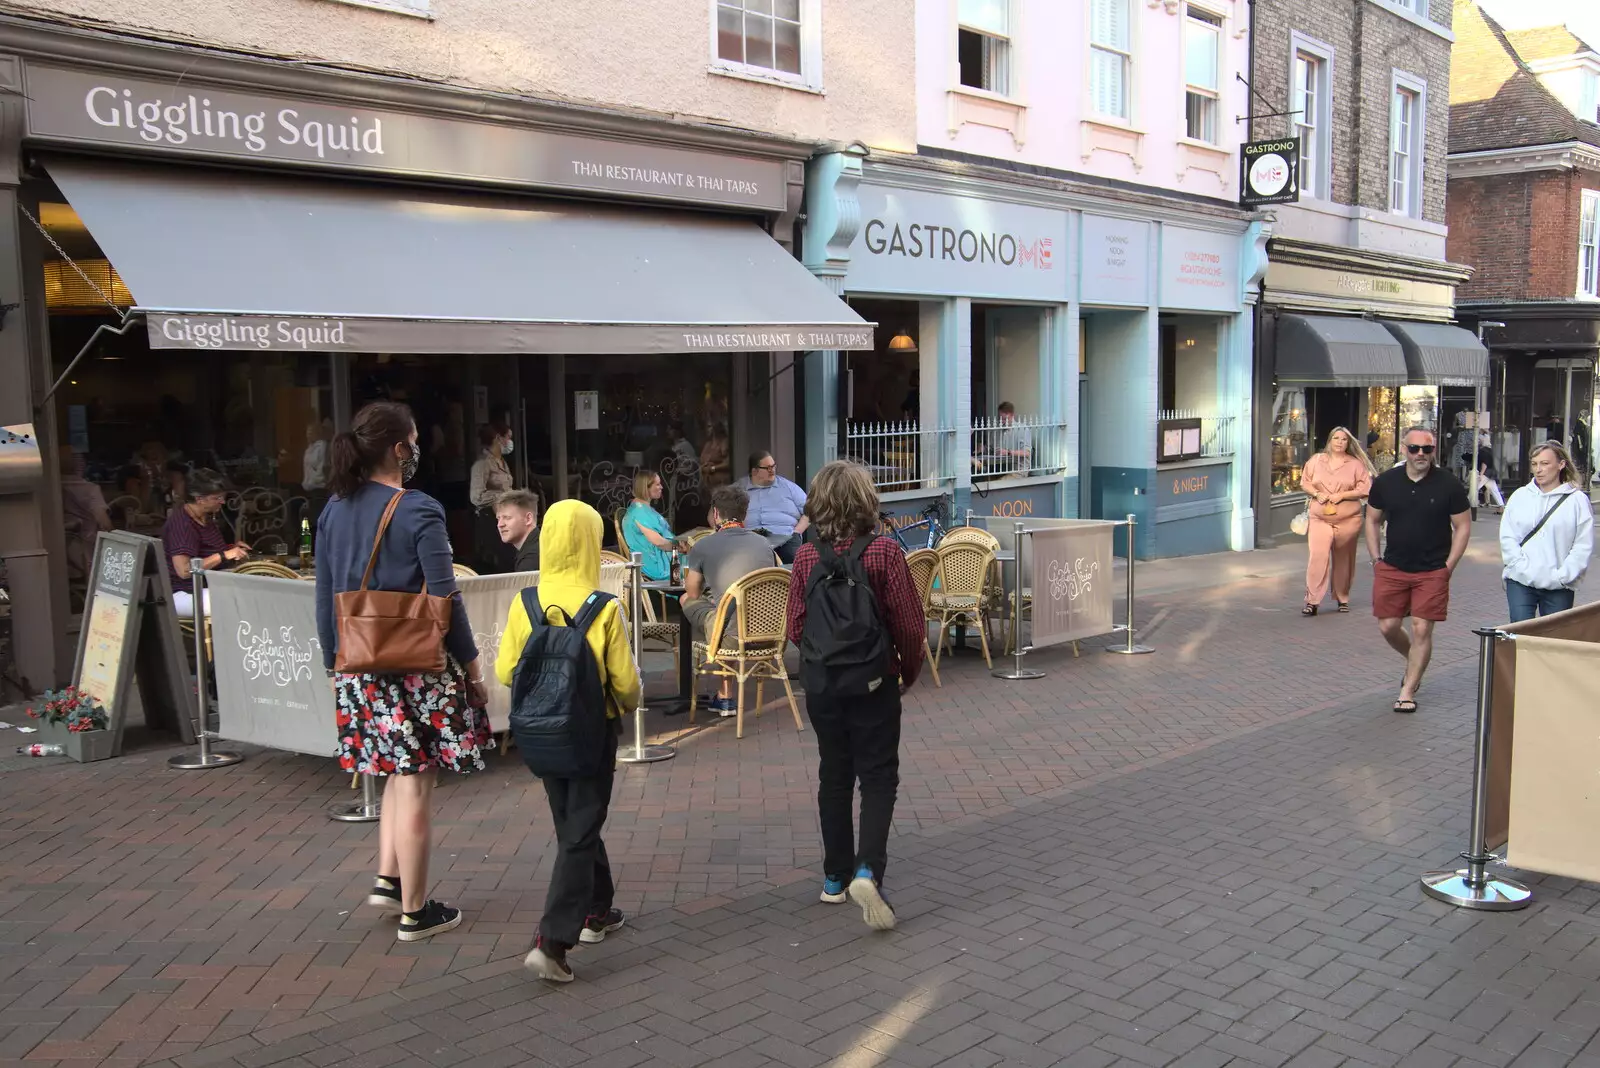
(129, 317)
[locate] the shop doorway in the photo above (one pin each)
(1561, 407)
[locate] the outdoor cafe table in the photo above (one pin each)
(679, 703)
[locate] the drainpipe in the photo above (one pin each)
(1250, 76)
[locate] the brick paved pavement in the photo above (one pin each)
(1205, 856)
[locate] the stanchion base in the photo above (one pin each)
(200, 761)
(1018, 673)
(1137, 650)
(1495, 895)
(647, 754)
(356, 813)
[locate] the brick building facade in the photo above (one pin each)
(1359, 262)
(1524, 165)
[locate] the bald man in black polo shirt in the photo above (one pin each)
(1429, 521)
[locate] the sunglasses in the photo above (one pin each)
(1426, 450)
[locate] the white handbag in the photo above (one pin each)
(1302, 522)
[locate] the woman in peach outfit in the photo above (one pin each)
(1337, 480)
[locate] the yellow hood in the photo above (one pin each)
(569, 571)
(569, 554)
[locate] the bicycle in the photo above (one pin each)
(929, 518)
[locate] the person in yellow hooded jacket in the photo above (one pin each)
(578, 906)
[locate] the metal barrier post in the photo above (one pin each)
(367, 810)
(1472, 887)
(639, 753)
(1129, 648)
(206, 757)
(1017, 670)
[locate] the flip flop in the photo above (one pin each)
(1405, 706)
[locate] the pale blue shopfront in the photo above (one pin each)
(1116, 324)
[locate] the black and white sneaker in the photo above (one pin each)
(385, 896)
(431, 919)
(595, 928)
(548, 961)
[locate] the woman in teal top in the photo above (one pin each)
(646, 530)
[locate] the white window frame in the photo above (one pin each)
(1316, 180)
(1000, 59)
(1589, 95)
(1127, 117)
(1214, 21)
(810, 76)
(1407, 199)
(1589, 245)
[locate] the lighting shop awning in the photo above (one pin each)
(1438, 354)
(1323, 350)
(234, 261)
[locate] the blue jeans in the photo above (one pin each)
(1526, 602)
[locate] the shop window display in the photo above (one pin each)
(1291, 439)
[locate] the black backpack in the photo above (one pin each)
(558, 706)
(844, 647)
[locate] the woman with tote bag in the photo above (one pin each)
(1546, 536)
(407, 684)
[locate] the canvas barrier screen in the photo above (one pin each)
(271, 684)
(1581, 624)
(1070, 572)
(1554, 807)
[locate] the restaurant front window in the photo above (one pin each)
(670, 414)
(138, 421)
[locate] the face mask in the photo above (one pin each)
(505, 450)
(408, 466)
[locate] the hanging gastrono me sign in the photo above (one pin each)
(1269, 172)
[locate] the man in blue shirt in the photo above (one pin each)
(777, 506)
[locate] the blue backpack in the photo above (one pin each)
(558, 706)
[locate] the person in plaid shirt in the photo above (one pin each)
(858, 736)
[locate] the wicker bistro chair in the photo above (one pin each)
(267, 568)
(962, 596)
(975, 535)
(924, 564)
(689, 537)
(616, 526)
(746, 640)
(654, 627)
(609, 557)
(463, 571)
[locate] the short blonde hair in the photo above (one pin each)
(643, 479)
(843, 502)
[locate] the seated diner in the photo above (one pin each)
(192, 540)
(646, 530)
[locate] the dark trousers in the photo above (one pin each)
(1526, 602)
(786, 552)
(858, 738)
(580, 885)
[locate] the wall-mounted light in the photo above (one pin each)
(65, 287)
(902, 342)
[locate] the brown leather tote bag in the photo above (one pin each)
(386, 633)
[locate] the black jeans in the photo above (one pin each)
(787, 550)
(857, 738)
(580, 884)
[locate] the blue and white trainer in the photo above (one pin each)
(875, 908)
(833, 890)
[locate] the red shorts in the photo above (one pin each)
(1397, 594)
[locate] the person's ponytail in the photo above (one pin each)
(360, 451)
(347, 468)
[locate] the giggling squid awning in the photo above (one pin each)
(263, 262)
(1441, 354)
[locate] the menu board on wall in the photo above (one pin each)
(1116, 261)
(933, 244)
(131, 636)
(1199, 269)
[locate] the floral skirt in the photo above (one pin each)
(403, 724)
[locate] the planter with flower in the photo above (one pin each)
(75, 720)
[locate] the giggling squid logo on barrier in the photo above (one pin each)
(188, 118)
